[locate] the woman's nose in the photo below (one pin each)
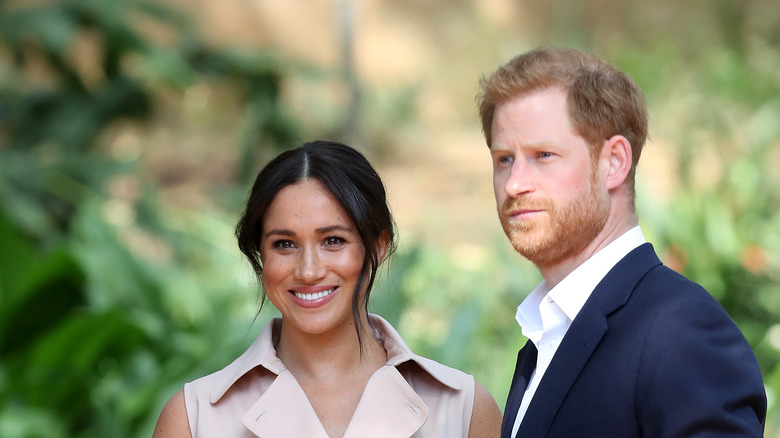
(309, 268)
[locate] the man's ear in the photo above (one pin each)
(617, 158)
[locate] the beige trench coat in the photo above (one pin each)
(256, 396)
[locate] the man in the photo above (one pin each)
(619, 345)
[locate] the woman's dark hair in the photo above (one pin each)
(351, 179)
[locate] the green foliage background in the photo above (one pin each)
(111, 299)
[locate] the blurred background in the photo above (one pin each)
(131, 130)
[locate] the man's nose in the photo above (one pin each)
(520, 180)
(310, 267)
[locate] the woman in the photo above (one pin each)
(316, 228)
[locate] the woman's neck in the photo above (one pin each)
(331, 355)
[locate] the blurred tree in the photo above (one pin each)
(85, 332)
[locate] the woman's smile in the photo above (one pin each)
(309, 297)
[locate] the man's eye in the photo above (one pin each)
(505, 160)
(545, 154)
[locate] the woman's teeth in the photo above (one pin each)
(317, 296)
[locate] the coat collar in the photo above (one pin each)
(388, 402)
(263, 353)
(398, 352)
(583, 337)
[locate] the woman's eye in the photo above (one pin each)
(283, 244)
(334, 241)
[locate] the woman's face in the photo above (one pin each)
(312, 257)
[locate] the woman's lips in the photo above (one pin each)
(313, 296)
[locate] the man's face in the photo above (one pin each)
(550, 199)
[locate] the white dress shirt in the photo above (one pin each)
(545, 315)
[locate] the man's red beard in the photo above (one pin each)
(561, 231)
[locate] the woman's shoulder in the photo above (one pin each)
(453, 397)
(447, 375)
(258, 363)
(173, 419)
(402, 357)
(216, 403)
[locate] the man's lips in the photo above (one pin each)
(520, 213)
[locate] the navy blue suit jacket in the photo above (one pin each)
(651, 354)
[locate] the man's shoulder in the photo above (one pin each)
(651, 273)
(667, 295)
(667, 283)
(642, 284)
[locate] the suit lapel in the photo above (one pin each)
(526, 362)
(572, 355)
(582, 338)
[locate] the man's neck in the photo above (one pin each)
(554, 273)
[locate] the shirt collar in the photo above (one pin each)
(575, 289)
(263, 353)
(528, 315)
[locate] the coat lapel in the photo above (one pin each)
(389, 407)
(283, 411)
(583, 337)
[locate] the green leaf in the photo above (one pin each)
(38, 290)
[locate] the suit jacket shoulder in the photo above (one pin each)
(650, 354)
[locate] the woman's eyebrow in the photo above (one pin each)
(321, 230)
(280, 232)
(330, 228)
